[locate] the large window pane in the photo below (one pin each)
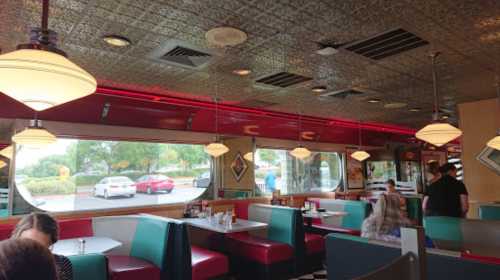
(277, 169)
(86, 174)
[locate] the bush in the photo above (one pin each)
(48, 186)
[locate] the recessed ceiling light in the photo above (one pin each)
(415, 109)
(318, 89)
(374, 100)
(225, 36)
(116, 40)
(242, 72)
(395, 105)
(445, 116)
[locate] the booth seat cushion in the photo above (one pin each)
(315, 243)
(130, 268)
(75, 228)
(484, 259)
(258, 249)
(207, 264)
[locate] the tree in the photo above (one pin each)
(189, 155)
(269, 156)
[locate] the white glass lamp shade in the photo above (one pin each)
(494, 143)
(34, 138)
(248, 156)
(360, 155)
(7, 152)
(300, 152)
(2, 164)
(216, 149)
(42, 79)
(438, 134)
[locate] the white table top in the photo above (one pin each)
(240, 225)
(324, 214)
(93, 245)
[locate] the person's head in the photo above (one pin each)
(433, 167)
(448, 169)
(40, 227)
(391, 185)
(26, 259)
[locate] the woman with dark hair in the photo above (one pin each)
(26, 259)
(43, 228)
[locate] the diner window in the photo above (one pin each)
(278, 170)
(378, 172)
(75, 175)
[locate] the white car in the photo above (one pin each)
(115, 186)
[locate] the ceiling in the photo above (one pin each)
(282, 35)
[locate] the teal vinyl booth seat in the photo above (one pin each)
(89, 267)
(357, 211)
(146, 245)
(414, 209)
(489, 212)
(349, 257)
(274, 253)
(478, 237)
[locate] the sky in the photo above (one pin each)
(26, 157)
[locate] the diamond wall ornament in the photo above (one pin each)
(238, 167)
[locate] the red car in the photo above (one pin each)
(154, 183)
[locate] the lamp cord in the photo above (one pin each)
(435, 116)
(45, 15)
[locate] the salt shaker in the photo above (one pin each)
(81, 247)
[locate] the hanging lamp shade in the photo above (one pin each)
(248, 156)
(216, 149)
(438, 133)
(360, 155)
(7, 152)
(42, 79)
(300, 153)
(494, 143)
(34, 137)
(2, 164)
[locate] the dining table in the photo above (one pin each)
(92, 245)
(212, 225)
(310, 215)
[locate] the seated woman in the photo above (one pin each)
(391, 190)
(43, 228)
(385, 221)
(26, 259)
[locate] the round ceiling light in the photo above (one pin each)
(116, 41)
(42, 79)
(318, 89)
(438, 133)
(415, 109)
(242, 72)
(395, 105)
(225, 36)
(216, 149)
(374, 100)
(7, 152)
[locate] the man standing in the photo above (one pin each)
(446, 196)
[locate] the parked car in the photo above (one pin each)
(115, 186)
(154, 183)
(202, 181)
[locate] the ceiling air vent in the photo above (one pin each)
(387, 44)
(181, 54)
(342, 94)
(283, 79)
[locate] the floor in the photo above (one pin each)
(316, 275)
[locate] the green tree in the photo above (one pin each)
(269, 156)
(189, 155)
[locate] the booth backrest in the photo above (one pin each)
(476, 236)
(357, 212)
(75, 228)
(414, 209)
(489, 212)
(349, 257)
(86, 267)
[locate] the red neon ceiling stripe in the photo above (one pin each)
(261, 112)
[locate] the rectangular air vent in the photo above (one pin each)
(255, 103)
(343, 93)
(283, 79)
(387, 44)
(186, 57)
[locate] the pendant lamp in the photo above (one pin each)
(437, 133)
(248, 156)
(360, 154)
(217, 148)
(39, 75)
(35, 136)
(2, 164)
(300, 151)
(7, 152)
(494, 143)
